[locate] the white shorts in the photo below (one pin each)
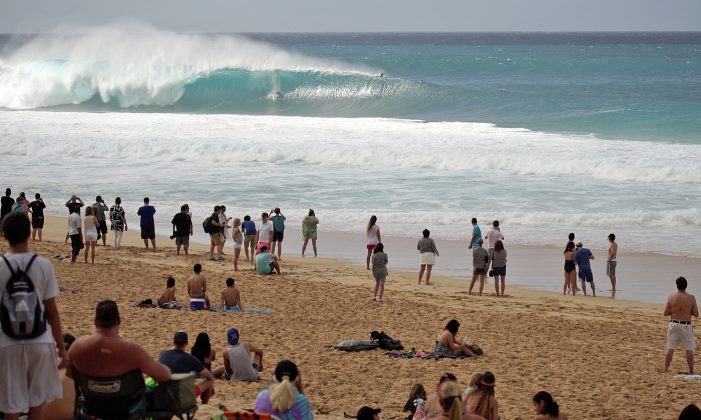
(680, 334)
(428, 258)
(90, 236)
(29, 377)
(238, 246)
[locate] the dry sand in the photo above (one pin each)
(600, 358)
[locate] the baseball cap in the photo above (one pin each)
(579, 244)
(367, 413)
(180, 338)
(232, 336)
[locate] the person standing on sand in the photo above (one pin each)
(7, 202)
(147, 223)
(249, 241)
(611, 262)
(182, 229)
(99, 209)
(215, 239)
(119, 222)
(37, 207)
(681, 306)
(29, 373)
(499, 267)
(237, 237)
(480, 259)
(265, 233)
(197, 289)
(278, 230)
(582, 256)
(372, 232)
(91, 232)
(73, 203)
(570, 238)
(492, 237)
(224, 222)
(428, 253)
(570, 271)
(379, 270)
(75, 232)
(309, 231)
(476, 234)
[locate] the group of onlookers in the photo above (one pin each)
(578, 264)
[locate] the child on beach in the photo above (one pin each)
(415, 404)
(379, 270)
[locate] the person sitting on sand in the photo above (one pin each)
(690, 412)
(480, 260)
(546, 407)
(105, 354)
(266, 262)
(368, 413)
(482, 401)
(447, 344)
(237, 359)
(202, 351)
(475, 379)
(417, 398)
(433, 406)
(231, 296)
(285, 399)
(451, 404)
(181, 362)
(197, 290)
(168, 294)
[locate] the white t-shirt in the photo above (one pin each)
(73, 223)
(44, 278)
(265, 232)
(372, 235)
(493, 236)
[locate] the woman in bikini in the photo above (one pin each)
(570, 273)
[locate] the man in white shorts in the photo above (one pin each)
(29, 366)
(681, 306)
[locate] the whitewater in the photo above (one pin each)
(586, 134)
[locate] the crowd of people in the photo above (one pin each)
(28, 355)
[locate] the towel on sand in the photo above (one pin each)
(249, 311)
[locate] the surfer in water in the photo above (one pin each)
(277, 95)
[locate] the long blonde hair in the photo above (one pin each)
(284, 393)
(371, 222)
(451, 401)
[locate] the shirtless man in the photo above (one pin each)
(197, 290)
(105, 354)
(681, 306)
(231, 296)
(611, 262)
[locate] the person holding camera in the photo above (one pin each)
(182, 229)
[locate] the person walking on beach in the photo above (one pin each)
(480, 259)
(91, 232)
(493, 236)
(237, 237)
(570, 271)
(427, 255)
(182, 229)
(250, 233)
(611, 262)
(118, 218)
(582, 256)
(99, 209)
(75, 232)
(265, 233)
(476, 234)
(215, 230)
(37, 207)
(372, 232)
(379, 270)
(278, 230)
(309, 231)
(681, 306)
(499, 267)
(30, 362)
(147, 223)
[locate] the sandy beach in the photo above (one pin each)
(600, 358)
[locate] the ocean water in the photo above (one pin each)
(549, 133)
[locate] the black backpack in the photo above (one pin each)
(21, 314)
(386, 342)
(207, 225)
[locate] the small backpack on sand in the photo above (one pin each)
(21, 314)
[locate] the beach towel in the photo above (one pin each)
(686, 376)
(146, 303)
(249, 311)
(356, 345)
(421, 355)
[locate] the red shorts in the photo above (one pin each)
(261, 245)
(371, 247)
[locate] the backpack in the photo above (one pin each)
(21, 314)
(386, 342)
(207, 225)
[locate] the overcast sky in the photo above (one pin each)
(29, 16)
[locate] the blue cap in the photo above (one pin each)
(232, 336)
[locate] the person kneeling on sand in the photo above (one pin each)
(546, 407)
(105, 354)
(197, 289)
(447, 345)
(285, 399)
(266, 262)
(231, 296)
(181, 362)
(238, 363)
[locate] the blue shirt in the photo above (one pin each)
(146, 213)
(249, 227)
(581, 258)
(476, 229)
(180, 362)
